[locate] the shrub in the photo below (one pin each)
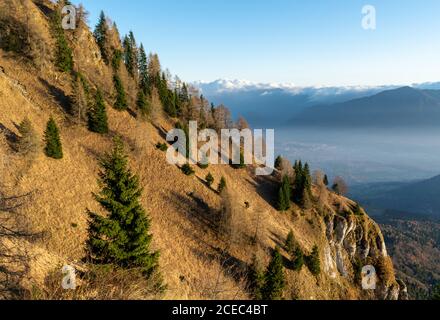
(187, 169)
(162, 146)
(203, 166)
(358, 210)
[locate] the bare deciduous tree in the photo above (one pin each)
(14, 257)
(322, 199)
(340, 186)
(242, 124)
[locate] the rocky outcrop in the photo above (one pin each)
(354, 242)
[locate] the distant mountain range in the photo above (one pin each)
(403, 199)
(402, 107)
(273, 104)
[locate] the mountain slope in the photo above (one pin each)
(196, 262)
(403, 107)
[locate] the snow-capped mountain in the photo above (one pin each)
(273, 103)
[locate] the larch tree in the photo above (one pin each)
(27, 142)
(340, 186)
(80, 100)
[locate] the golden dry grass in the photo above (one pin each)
(193, 260)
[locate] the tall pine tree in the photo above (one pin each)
(63, 53)
(52, 138)
(101, 36)
(121, 237)
(121, 98)
(143, 104)
(314, 262)
(143, 70)
(97, 116)
(284, 194)
(274, 281)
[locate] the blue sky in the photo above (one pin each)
(317, 42)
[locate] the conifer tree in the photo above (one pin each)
(314, 262)
(143, 70)
(302, 194)
(307, 178)
(278, 162)
(101, 36)
(284, 194)
(290, 242)
(326, 182)
(120, 237)
(52, 138)
(131, 54)
(299, 182)
(63, 53)
(297, 259)
(240, 165)
(116, 60)
(255, 279)
(221, 185)
(435, 296)
(97, 116)
(143, 104)
(187, 169)
(121, 98)
(209, 179)
(274, 281)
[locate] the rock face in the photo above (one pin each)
(355, 242)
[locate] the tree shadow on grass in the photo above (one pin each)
(197, 210)
(266, 187)
(10, 136)
(60, 97)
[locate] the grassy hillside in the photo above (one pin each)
(196, 261)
